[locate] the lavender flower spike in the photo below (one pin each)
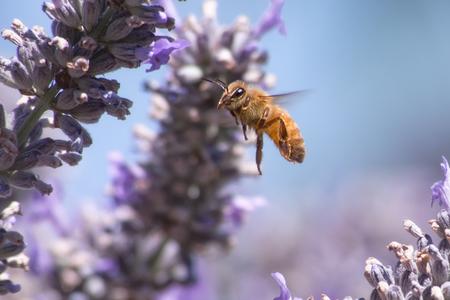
(285, 293)
(441, 189)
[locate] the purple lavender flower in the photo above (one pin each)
(124, 187)
(271, 18)
(441, 189)
(285, 293)
(159, 52)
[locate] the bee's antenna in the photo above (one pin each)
(218, 82)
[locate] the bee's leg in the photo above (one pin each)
(284, 146)
(259, 147)
(235, 117)
(244, 130)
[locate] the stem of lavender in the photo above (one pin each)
(31, 121)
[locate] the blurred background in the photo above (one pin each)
(376, 124)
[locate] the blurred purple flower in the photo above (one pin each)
(441, 189)
(271, 19)
(123, 179)
(285, 293)
(159, 52)
(240, 206)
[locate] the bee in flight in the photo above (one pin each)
(254, 108)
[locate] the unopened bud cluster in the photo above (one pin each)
(60, 77)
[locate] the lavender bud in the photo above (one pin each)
(141, 36)
(78, 67)
(117, 106)
(124, 51)
(8, 151)
(382, 289)
(424, 280)
(436, 293)
(374, 295)
(394, 293)
(96, 87)
(7, 286)
(24, 180)
(49, 161)
(5, 189)
(19, 261)
(89, 112)
(407, 279)
(26, 58)
(43, 187)
(18, 26)
(47, 49)
(12, 209)
(42, 74)
(101, 63)
(72, 129)
(43, 146)
(439, 265)
(64, 12)
(13, 37)
(412, 228)
(71, 158)
(26, 160)
(437, 228)
(423, 242)
(61, 52)
(62, 145)
(11, 243)
(375, 272)
(443, 218)
(118, 29)
(445, 287)
(20, 76)
(151, 14)
(91, 10)
(70, 98)
(5, 73)
(89, 44)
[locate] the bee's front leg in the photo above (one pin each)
(244, 130)
(259, 147)
(235, 117)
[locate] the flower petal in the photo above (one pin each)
(441, 189)
(285, 294)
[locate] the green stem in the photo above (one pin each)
(32, 119)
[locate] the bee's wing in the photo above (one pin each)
(287, 97)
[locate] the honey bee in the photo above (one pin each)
(254, 108)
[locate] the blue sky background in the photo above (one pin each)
(379, 72)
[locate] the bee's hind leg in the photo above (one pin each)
(259, 147)
(284, 146)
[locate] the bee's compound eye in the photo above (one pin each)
(238, 93)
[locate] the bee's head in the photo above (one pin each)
(233, 95)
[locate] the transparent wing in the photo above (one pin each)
(287, 97)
